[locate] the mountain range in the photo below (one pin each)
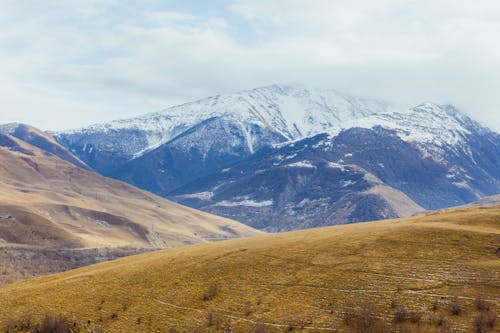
(287, 157)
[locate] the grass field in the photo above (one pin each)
(420, 274)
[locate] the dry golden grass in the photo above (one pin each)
(307, 278)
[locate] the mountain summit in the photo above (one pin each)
(252, 119)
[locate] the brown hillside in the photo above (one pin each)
(419, 274)
(47, 202)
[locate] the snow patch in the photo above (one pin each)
(301, 164)
(200, 195)
(462, 184)
(246, 203)
(334, 165)
(347, 183)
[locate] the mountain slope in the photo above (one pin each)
(203, 149)
(422, 267)
(79, 199)
(41, 140)
(493, 200)
(462, 157)
(297, 186)
(223, 128)
(46, 202)
(335, 179)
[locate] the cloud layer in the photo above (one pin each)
(70, 63)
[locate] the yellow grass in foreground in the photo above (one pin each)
(306, 278)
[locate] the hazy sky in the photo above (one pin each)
(69, 63)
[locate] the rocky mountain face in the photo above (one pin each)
(300, 185)
(287, 157)
(206, 148)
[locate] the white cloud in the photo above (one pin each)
(69, 63)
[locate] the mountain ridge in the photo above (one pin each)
(246, 106)
(201, 139)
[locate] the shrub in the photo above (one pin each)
(415, 316)
(212, 291)
(248, 309)
(435, 306)
(291, 325)
(213, 319)
(484, 321)
(455, 307)
(481, 303)
(440, 319)
(210, 318)
(53, 324)
(350, 315)
(362, 319)
(400, 315)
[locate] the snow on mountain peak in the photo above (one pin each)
(432, 127)
(292, 112)
(9, 128)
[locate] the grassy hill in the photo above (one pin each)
(438, 272)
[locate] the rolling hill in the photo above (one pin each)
(52, 212)
(435, 272)
(41, 140)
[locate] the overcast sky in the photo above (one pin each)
(69, 63)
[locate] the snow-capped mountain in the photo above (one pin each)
(431, 125)
(214, 153)
(273, 114)
(357, 175)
